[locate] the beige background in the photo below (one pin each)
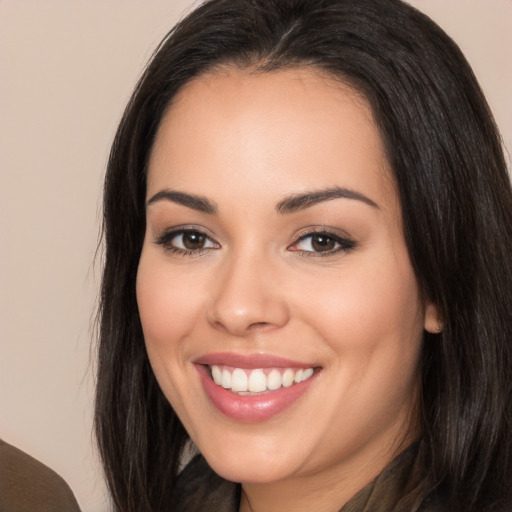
(67, 68)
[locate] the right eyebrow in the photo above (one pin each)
(199, 203)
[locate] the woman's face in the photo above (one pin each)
(281, 314)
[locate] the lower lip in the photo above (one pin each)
(251, 408)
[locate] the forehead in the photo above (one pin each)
(269, 131)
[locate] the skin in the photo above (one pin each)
(245, 141)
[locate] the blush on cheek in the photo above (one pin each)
(365, 308)
(167, 308)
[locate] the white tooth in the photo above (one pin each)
(257, 381)
(298, 376)
(226, 379)
(288, 377)
(307, 373)
(238, 380)
(274, 380)
(217, 375)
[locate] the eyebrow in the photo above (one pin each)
(288, 205)
(199, 203)
(299, 202)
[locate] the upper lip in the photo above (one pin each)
(250, 361)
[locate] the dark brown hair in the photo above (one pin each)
(449, 169)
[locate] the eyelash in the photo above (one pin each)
(343, 244)
(166, 238)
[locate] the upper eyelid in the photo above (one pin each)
(328, 230)
(176, 230)
(164, 237)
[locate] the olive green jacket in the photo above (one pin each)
(27, 485)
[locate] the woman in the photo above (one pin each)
(308, 227)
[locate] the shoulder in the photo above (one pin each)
(27, 485)
(200, 489)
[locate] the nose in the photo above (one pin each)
(247, 297)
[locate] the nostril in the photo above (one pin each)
(260, 326)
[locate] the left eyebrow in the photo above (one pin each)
(305, 200)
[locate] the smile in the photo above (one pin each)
(254, 388)
(260, 380)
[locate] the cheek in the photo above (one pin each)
(366, 307)
(168, 305)
(371, 320)
(168, 309)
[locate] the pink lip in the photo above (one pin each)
(250, 361)
(251, 408)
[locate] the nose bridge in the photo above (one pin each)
(246, 297)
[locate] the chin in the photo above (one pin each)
(248, 472)
(257, 467)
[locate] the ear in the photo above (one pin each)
(433, 321)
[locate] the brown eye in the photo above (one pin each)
(193, 240)
(186, 241)
(321, 243)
